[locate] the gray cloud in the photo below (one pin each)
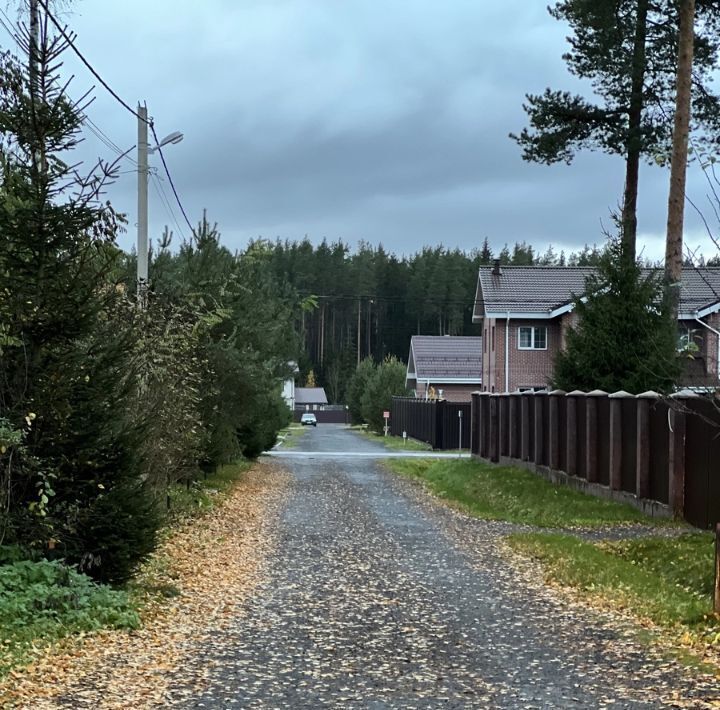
(357, 120)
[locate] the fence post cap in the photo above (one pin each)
(597, 393)
(575, 393)
(475, 392)
(542, 393)
(483, 394)
(685, 394)
(559, 393)
(516, 393)
(621, 394)
(650, 394)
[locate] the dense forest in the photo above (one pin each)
(368, 302)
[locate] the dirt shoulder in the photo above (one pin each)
(199, 576)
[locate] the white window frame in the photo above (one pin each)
(533, 329)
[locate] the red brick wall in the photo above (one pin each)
(528, 368)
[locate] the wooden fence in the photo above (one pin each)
(443, 425)
(661, 455)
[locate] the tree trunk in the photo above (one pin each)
(634, 140)
(678, 165)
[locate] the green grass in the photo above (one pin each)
(512, 494)
(288, 438)
(205, 493)
(666, 580)
(395, 442)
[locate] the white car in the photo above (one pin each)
(308, 418)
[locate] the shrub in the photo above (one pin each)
(387, 381)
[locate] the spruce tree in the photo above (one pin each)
(625, 338)
(72, 487)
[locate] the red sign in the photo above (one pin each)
(386, 414)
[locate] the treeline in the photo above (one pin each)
(368, 302)
(107, 401)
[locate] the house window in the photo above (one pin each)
(532, 338)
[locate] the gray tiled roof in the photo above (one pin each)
(541, 289)
(310, 395)
(438, 356)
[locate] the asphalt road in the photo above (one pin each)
(379, 597)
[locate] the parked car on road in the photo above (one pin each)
(308, 418)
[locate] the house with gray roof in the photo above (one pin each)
(444, 366)
(526, 311)
(310, 398)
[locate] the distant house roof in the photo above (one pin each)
(548, 291)
(445, 358)
(310, 395)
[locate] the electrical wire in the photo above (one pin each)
(170, 180)
(157, 184)
(89, 66)
(150, 122)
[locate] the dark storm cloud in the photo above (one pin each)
(385, 121)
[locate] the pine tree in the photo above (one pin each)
(627, 50)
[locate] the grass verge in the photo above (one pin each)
(395, 442)
(201, 495)
(666, 580)
(512, 494)
(43, 602)
(289, 437)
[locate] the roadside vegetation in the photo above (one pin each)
(665, 578)
(668, 580)
(289, 437)
(122, 408)
(395, 442)
(512, 494)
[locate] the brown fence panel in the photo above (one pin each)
(475, 424)
(628, 442)
(581, 437)
(603, 440)
(448, 434)
(659, 452)
(541, 429)
(485, 425)
(417, 417)
(562, 431)
(702, 463)
(324, 416)
(504, 409)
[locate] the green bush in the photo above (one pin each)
(356, 389)
(387, 381)
(43, 601)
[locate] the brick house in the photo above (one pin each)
(444, 366)
(525, 312)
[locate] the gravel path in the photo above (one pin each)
(378, 597)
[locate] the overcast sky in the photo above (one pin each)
(382, 120)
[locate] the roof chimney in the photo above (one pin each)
(497, 269)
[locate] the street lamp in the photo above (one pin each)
(142, 235)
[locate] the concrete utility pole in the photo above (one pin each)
(142, 223)
(678, 165)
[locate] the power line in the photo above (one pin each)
(166, 202)
(150, 122)
(169, 177)
(89, 66)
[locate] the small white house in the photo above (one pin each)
(288, 391)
